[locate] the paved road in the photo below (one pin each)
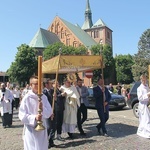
(122, 127)
(126, 113)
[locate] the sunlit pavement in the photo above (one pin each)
(122, 127)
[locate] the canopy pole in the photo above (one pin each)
(56, 79)
(101, 48)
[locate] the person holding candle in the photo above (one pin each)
(28, 114)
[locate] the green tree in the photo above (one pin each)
(24, 66)
(123, 65)
(142, 58)
(53, 50)
(108, 61)
(12, 72)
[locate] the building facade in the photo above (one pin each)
(73, 35)
(4, 77)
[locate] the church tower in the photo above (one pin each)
(98, 31)
(88, 17)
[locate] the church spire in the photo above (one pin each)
(88, 9)
(88, 17)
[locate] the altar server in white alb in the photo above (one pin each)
(143, 94)
(5, 106)
(28, 114)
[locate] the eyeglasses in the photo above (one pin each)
(34, 83)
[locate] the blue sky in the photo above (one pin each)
(21, 19)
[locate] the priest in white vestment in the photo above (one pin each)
(143, 94)
(5, 106)
(71, 105)
(28, 114)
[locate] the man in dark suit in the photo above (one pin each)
(82, 110)
(50, 122)
(60, 107)
(102, 97)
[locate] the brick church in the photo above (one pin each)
(70, 34)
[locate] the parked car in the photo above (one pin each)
(116, 102)
(133, 101)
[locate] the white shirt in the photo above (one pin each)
(5, 104)
(80, 93)
(17, 94)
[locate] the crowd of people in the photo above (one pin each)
(70, 110)
(10, 98)
(120, 89)
(63, 109)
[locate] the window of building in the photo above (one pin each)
(108, 35)
(56, 28)
(96, 34)
(62, 34)
(68, 42)
(52, 28)
(74, 44)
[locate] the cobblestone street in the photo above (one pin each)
(122, 135)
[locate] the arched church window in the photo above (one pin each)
(74, 44)
(68, 42)
(96, 34)
(57, 28)
(108, 35)
(62, 33)
(52, 28)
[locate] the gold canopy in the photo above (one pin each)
(70, 64)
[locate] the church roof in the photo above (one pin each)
(77, 25)
(99, 23)
(43, 38)
(87, 24)
(80, 34)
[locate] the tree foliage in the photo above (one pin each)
(142, 58)
(53, 50)
(108, 60)
(24, 66)
(123, 65)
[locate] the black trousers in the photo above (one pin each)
(12, 104)
(59, 115)
(103, 119)
(81, 116)
(51, 128)
(17, 100)
(6, 119)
